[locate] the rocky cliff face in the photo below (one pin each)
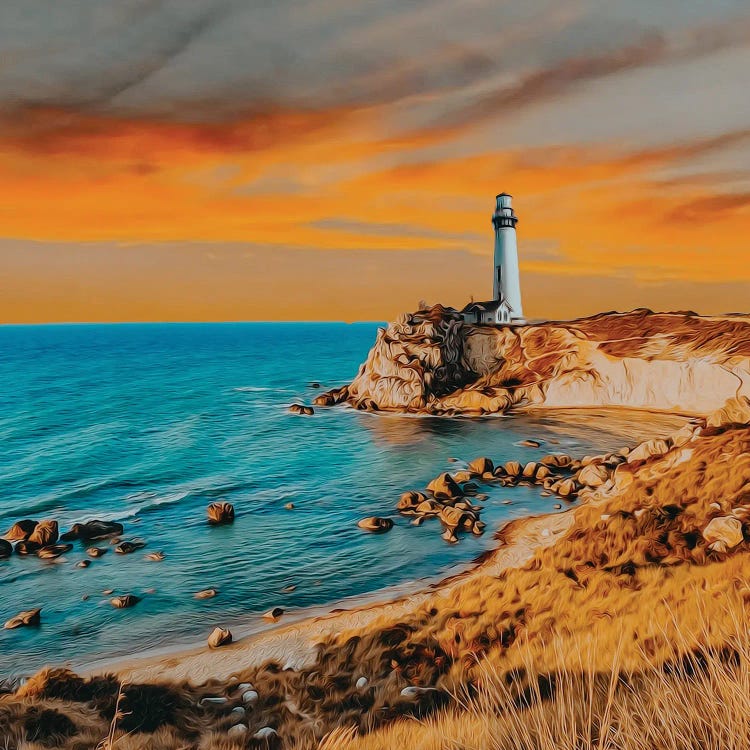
(431, 361)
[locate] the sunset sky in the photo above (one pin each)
(338, 159)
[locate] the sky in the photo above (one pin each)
(338, 160)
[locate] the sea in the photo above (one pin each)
(147, 424)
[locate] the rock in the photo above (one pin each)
(453, 517)
(481, 466)
(719, 547)
(289, 506)
(128, 547)
(303, 410)
(6, 549)
(26, 548)
(206, 594)
(249, 696)
(244, 686)
(648, 449)
(724, 529)
(83, 563)
(529, 471)
(557, 506)
(593, 475)
(155, 556)
(44, 534)
(314, 384)
(513, 469)
(542, 472)
(265, 733)
(567, 488)
(238, 711)
(530, 444)
(24, 619)
(210, 700)
(450, 536)
(220, 513)
(219, 637)
(273, 614)
(556, 461)
(92, 530)
(507, 502)
(125, 601)
(53, 551)
(375, 524)
(428, 508)
(470, 488)
(414, 691)
(96, 551)
(237, 730)
(288, 589)
(462, 476)
(444, 486)
(107, 592)
(410, 500)
(20, 531)
(361, 683)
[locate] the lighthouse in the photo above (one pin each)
(505, 305)
(507, 280)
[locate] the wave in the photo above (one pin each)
(260, 389)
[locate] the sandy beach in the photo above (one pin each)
(293, 644)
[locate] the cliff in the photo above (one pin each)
(431, 361)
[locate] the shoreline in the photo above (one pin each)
(293, 644)
(292, 640)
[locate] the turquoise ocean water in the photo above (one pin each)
(147, 424)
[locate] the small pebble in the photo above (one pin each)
(155, 556)
(507, 502)
(249, 696)
(289, 506)
(238, 711)
(214, 701)
(206, 594)
(557, 506)
(273, 614)
(237, 730)
(83, 564)
(361, 682)
(107, 592)
(288, 589)
(245, 686)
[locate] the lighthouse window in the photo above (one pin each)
(499, 275)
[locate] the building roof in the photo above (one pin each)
(489, 306)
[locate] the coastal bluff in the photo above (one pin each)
(432, 362)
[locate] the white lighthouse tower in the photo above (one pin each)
(507, 280)
(505, 305)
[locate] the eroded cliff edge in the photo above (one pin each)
(431, 361)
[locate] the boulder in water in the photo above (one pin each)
(24, 619)
(206, 594)
(20, 530)
(273, 614)
(6, 549)
(375, 524)
(96, 551)
(219, 637)
(220, 513)
(27, 548)
(92, 530)
(130, 546)
(52, 551)
(481, 466)
(445, 486)
(301, 409)
(125, 601)
(44, 534)
(513, 469)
